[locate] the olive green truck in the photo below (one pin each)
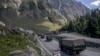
(72, 46)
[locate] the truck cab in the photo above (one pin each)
(49, 38)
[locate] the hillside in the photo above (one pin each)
(13, 43)
(40, 15)
(69, 8)
(88, 24)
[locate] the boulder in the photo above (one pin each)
(2, 32)
(2, 23)
(17, 53)
(29, 52)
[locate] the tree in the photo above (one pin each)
(88, 24)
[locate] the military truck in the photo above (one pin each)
(41, 35)
(49, 38)
(72, 46)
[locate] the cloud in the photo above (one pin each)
(95, 3)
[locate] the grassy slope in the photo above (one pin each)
(38, 25)
(30, 22)
(53, 26)
(13, 42)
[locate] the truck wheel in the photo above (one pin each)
(77, 52)
(70, 52)
(62, 49)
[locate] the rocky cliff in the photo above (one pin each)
(36, 14)
(69, 8)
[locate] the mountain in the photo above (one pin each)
(88, 24)
(69, 8)
(40, 15)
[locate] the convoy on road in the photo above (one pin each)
(68, 45)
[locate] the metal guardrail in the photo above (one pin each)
(92, 44)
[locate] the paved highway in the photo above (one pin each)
(54, 46)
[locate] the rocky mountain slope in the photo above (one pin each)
(14, 42)
(69, 8)
(39, 14)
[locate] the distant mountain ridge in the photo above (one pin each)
(69, 8)
(36, 14)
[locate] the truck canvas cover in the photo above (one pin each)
(73, 42)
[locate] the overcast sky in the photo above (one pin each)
(91, 3)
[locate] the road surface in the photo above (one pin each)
(75, 35)
(54, 46)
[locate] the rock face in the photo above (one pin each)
(14, 3)
(22, 13)
(29, 52)
(17, 53)
(1, 23)
(69, 8)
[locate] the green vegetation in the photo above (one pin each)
(12, 42)
(52, 26)
(87, 25)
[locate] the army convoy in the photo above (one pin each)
(68, 45)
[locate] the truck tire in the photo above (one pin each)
(70, 52)
(77, 52)
(62, 48)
